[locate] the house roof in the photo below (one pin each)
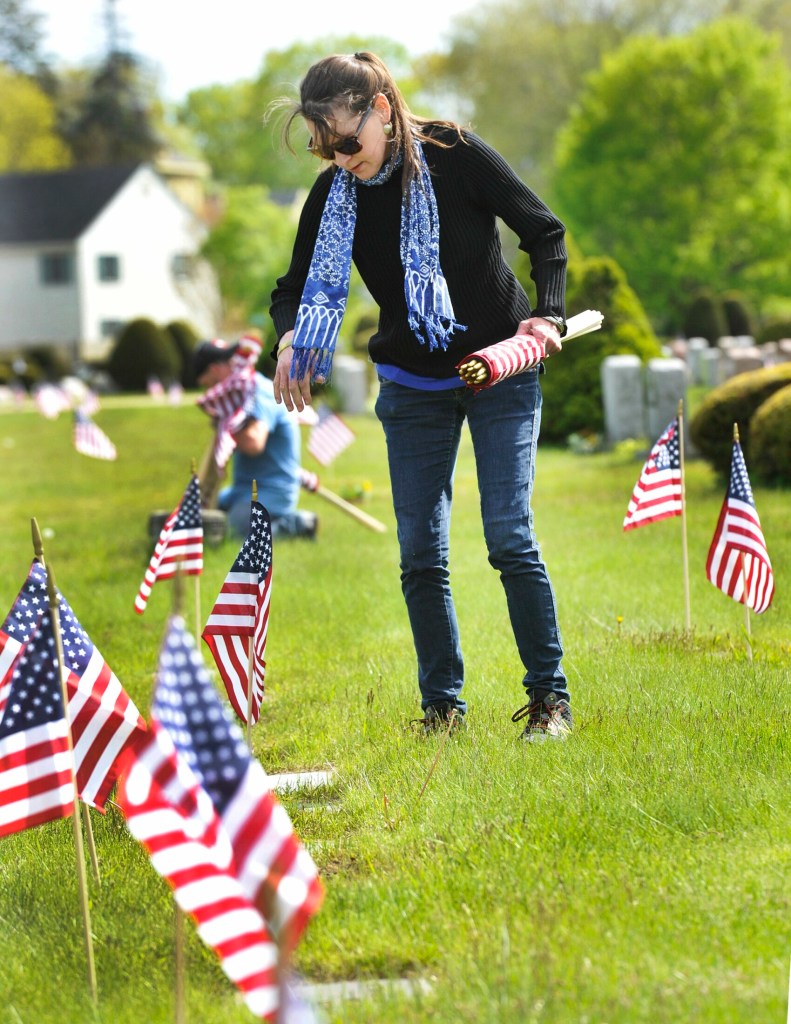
(56, 206)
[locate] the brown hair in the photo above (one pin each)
(352, 81)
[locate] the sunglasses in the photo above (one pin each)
(348, 145)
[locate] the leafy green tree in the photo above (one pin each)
(677, 162)
(516, 67)
(28, 137)
(249, 249)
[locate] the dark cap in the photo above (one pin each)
(209, 352)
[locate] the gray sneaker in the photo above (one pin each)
(437, 718)
(548, 718)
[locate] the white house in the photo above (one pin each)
(85, 250)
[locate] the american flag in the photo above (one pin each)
(329, 437)
(657, 494)
(228, 402)
(104, 721)
(738, 552)
(90, 440)
(505, 358)
(180, 545)
(241, 615)
(36, 781)
(203, 807)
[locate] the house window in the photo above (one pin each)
(182, 265)
(109, 268)
(56, 268)
(110, 329)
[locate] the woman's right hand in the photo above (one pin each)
(294, 394)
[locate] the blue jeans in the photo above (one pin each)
(422, 430)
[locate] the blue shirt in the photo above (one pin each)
(276, 468)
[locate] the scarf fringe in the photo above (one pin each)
(434, 330)
(316, 361)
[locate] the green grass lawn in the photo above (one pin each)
(639, 872)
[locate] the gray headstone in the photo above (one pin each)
(694, 348)
(665, 386)
(622, 396)
(350, 380)
(742, 360)
(711, 367)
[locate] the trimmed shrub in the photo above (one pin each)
(774, 330)
(738, 318)
(770, 439)
(54, 361)
(571, 387)
(185, 338)
(735, 401)
(704, 318)
(143, 350)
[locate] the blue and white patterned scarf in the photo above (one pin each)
(324, 297)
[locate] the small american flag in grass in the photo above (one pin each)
(36, 781)
(738, 561)
(203, 808)
(240, 617)
(104, 720)
(90, 440)
(657, 494)
(329, 437)
(180, 545)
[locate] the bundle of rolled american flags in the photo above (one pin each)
(228, 403)
(494, 363)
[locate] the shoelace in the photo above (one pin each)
(528, 709)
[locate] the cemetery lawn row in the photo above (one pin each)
(638, 872)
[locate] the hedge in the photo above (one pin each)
(735, 401)
(770, 439)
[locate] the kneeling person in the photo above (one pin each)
(267, 451)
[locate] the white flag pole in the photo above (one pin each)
(684, 546)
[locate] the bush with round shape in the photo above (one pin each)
(770, 439)
(774, 330)
(143, 350)
(735, 401)
(704, 318)
(739, 320)
(571, 386)
(185, 338)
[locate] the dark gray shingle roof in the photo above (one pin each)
(56, 206)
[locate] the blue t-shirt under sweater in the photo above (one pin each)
(276, 469)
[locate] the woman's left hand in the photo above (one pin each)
(542, 330)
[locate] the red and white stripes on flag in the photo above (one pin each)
(203, 807)
(104, 721)
(329, 437)
(505, 358)
(522, 352)
(658, 492)
(738, 561)
(180, 545)
(228, 401)
(171, 815)
(90, 440)
(240, 617)
(36, 780)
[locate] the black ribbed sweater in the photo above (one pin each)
(473, 186)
